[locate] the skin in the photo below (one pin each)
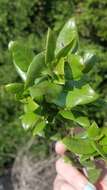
(69, 178)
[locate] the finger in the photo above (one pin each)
(60, 148)
(66, 186)
(60, 184)
(73, 176)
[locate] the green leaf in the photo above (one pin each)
(66, 35)
(67, 73)
(104, 131)
(105, 150)
(37, 91)
(53, 91)
(39, 128)
(81, 120)
(59, 71)
(103, 141)
(22, 55)
(98, 148)
(21, 73)
(50, 47)
(78, 146)
(65, 50)
(89, 61)
(47, 89)
(93, 172)
(15, 88)
(81, 96)
(60, 100)
(29, 119)
(30, 105)
(76, 64)
(94, 131)
(35, 69)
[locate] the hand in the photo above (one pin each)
(69, 178)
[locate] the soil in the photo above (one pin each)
(28, 174)
(31, 174)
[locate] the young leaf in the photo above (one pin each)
(21, 73)
(35, 69)
(81, 120)
(22, 55)
(50, 47)
(81, 96)
(39, 128)
(94, 131)
(29, 119)
(30, 105)
(47, 89)
(65, 50)
(53, 91)
(37, 91)
(76, 64)
(59, 71)
(66, 35)
(78, 146)
(15, 88)
(89, 61)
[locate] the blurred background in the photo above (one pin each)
(29, 20)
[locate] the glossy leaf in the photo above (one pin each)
(98, 148)
(50, 47)
(53, 91)
(60, 100)
(15, 88)
(47, 89)
(59, 71)
(39, 128)
(89, 61)
(76, 64)
(78, 146)
(66, 35)
(94, 131)
(81, 96)
(30, 105)
(67, 73)
(37, 91)
(22, 55)
(81, 120)
(65, 50)
(29, 119)
(35, 69)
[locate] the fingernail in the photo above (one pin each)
(90, 186)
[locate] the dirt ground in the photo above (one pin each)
(28, 174)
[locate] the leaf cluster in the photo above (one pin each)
(56, 91)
